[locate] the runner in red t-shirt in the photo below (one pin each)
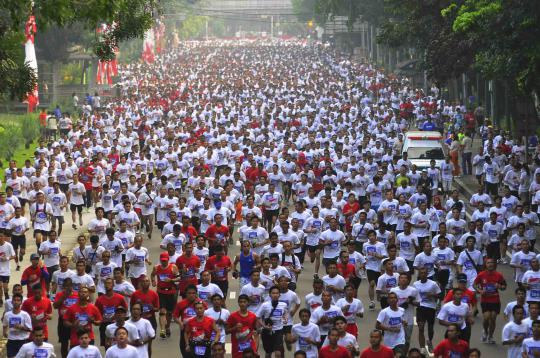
(106, 304)
(39, 308)
(487, 284)
(82, 315)
(35, 274)
(452, 347)
(468, 297)
(164, 277)
(376, 349)
(217, 234)
(199, 330)
(62, 301)
(188, 230)
(184, 311)
(333, 350)
(219, 265)
(242, 325)
(148, 299)
(188, 267)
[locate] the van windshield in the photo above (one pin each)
(425, 153)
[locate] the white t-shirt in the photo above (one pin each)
(454, 314)
(331, 313)
(407, 245)
(389, 317)
(30, 350)
(337, 281)
(403, 296)
(310, 330)
(532, 279)
(58, 277)
(509, 332)
(77, 191)
(145, 329)
(425, 288)
(355, 307)
(6, 252)
(51, 252)
(333, 249)
(89, 352)
(128, 352)
(137, 257)
(11, 319)
(530, 346)
(256, 296)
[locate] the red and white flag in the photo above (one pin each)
(149, 43)
(30, 29)
(106, 69)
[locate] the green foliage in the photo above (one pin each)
(29, 129)
(506, 35)
(131, 18)
(193, 26)
(16, 130)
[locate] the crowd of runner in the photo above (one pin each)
(294, 151)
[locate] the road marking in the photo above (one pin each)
(232, 295)
(237, 242)
(228, 348)
(414, 319)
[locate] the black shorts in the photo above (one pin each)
(77, 208)
(167, 301)
(372, 276)
(4, 279)
(64, 188)
(287, 329)
(153, 321)
(313, 248)
(60, 219)
(42, 232)
(269, 214)
(64, 332)
(14, 346)
(399, 350)
(425, 314)
(18, 241)
(22, 202)
(355, 281)
(272, 341)
(223, 285)
(326, 261)
(491, 307)
(493, 250)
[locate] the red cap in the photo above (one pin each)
(164, 256)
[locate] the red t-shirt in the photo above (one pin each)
(218, 267)
(83, 314)
(68, 302)
(469, 297)
(148, 300)
(487, 280)
(217, 234)
(40, 309)
(200, 330)
(189, 232)
(341, 352)
(86, 174)
(107, 305)
(185, 310)
(249, 325)
(447, 349)
(188, 267)
(384, 352)
(347, 271)
(32, 276)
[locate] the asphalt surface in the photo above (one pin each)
(164, 348)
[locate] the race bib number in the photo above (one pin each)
(200, 350)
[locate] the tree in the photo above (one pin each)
(421, 24)
(131, 18)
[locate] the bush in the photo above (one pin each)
(29, 130)
(10, 139)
